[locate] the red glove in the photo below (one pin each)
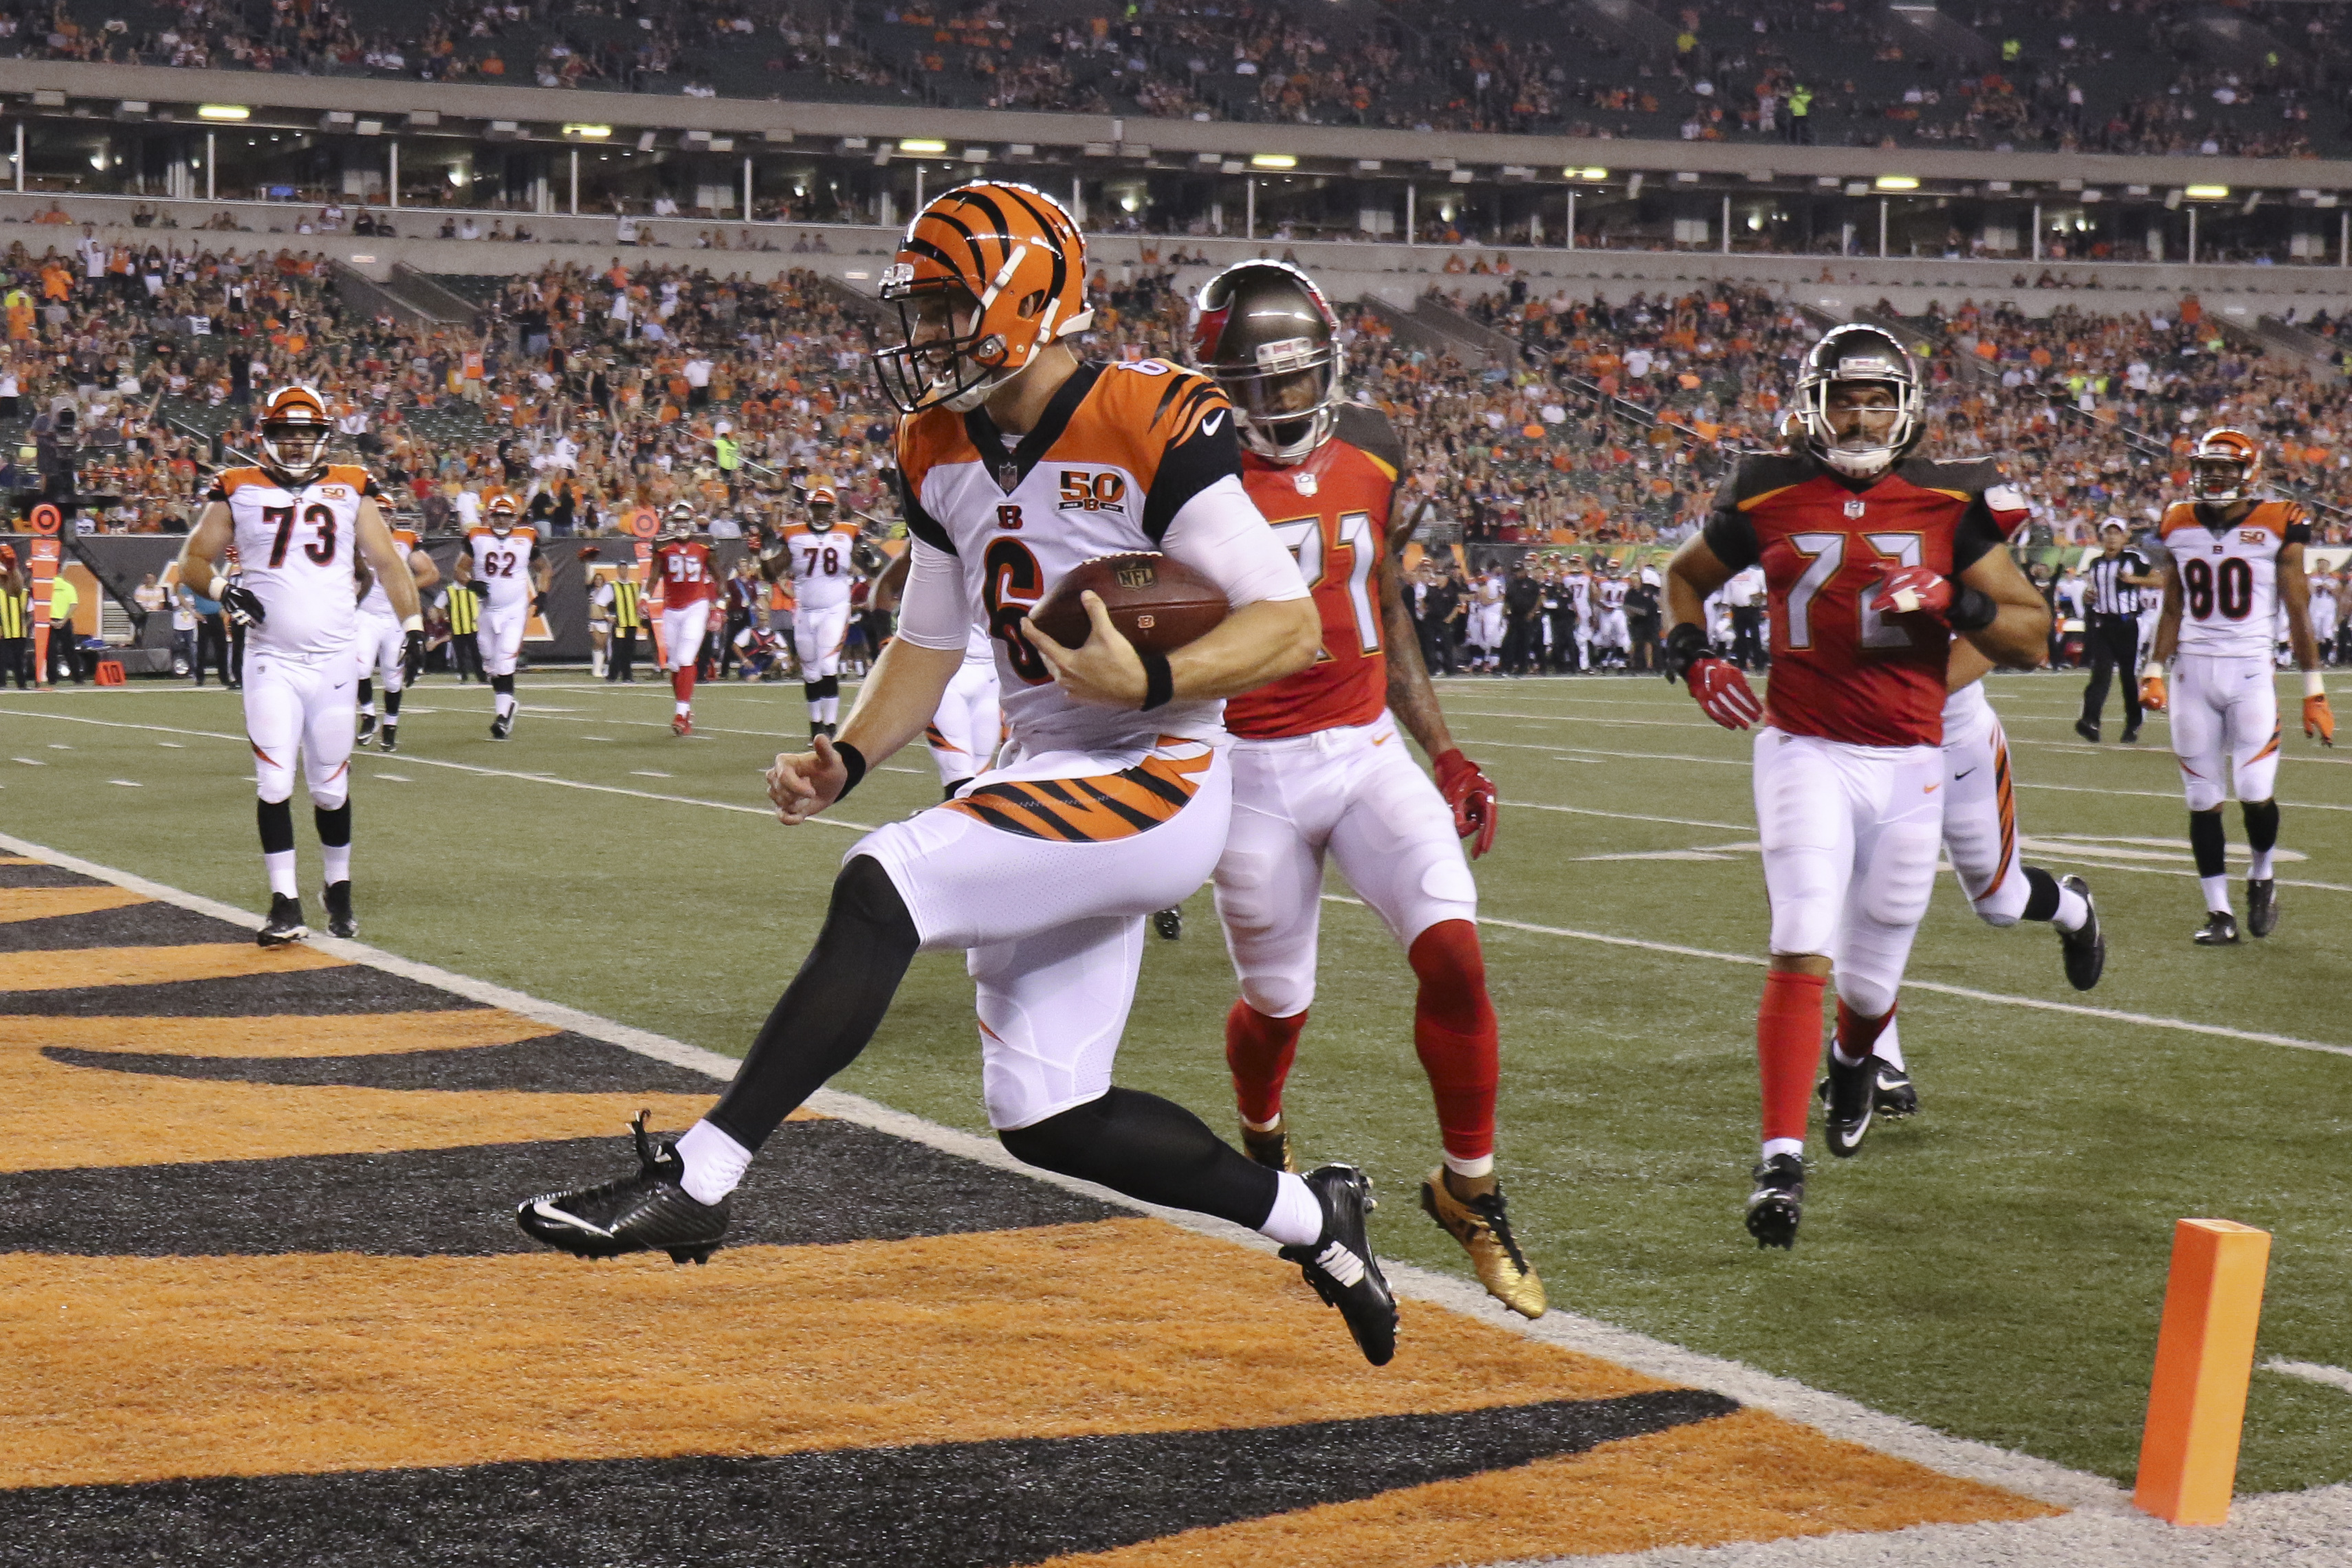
(1471, 795)
(1723, 693)
(1914, 590)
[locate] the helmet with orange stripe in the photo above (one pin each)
(2223, 465)
(988, 277)
(294, 434)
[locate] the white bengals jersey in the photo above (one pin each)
(376, 602)
(1580, 592)
(1119, 451)
(2229, 574)
(503, 562)
(823, 566)
(1610, 591)
(295, 550)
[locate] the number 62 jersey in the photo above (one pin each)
(297, 550)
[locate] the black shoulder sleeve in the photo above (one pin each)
(1728, 533)
(920, 524)
(1977, 535)
(1362, 425)
(2298, 529)
(1205, 450)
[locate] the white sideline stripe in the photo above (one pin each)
(2112, 1015)
(414, 761)
(1831, 1414)
(2311, 1372)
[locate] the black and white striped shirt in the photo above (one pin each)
(2106, 592)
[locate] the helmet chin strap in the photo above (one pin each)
(1864, 465)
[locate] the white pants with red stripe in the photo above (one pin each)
(2224, 710)
(1980, 809)
(306, 708)
(1850, 836)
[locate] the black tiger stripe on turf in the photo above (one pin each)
(947, 1505)
(816, 1183)
(341, 989)
(565, 1063)
(133, 925)
(45, 876)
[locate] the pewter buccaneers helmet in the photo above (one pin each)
(294, 434)
(2223, 466)
(1269, 338)
(1857, 354)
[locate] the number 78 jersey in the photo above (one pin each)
(298, 549)
(2229, 574)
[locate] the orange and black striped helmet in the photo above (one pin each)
(987, 276)
(294, 434)
(2223, 465)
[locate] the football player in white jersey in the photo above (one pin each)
(821, 557)
(1017, 462)
(2231, 564)
(501, 565)
(1609, 631)
(1578, 584)
(382, 647)
(296, 523)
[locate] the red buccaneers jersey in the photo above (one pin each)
(683, 573)
(1332, 512)
(1840, 671)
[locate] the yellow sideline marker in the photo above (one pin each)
(2204, 1358)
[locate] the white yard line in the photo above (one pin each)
(2311, 1372)
(1830, 1413)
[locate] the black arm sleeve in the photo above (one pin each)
(920, 523)
(1732, 538)
(1206, 450)
(1977, 537)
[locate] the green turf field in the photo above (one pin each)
(1993, 1268)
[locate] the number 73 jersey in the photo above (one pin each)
(298, 549)
(2229, 574)
(1840, 670)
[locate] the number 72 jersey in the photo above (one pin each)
(298, 549)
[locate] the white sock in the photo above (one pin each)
(2073, 909)
(368, 707)
(1483, 1166)
(505, 703)
(1296, 1220)
(2217, 894)
(281, 873)
(1889, 1048)
(828, 710)
(596, 663)
(1263, 1126)
(338, 863)
(2259, 870)
(685, 709)
(715, 1163)
(1838, 1054)
(1784, 1146)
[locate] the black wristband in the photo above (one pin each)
(853, 759)
(1686, 646)
(1971, 610)
(1158, 681)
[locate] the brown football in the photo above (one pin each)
(1159, 603)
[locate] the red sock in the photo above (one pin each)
(1856, 1035)
(681, 682)
(1454, 1034)
(1259, 1050)
(1788, 1049)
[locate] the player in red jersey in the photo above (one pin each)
(688, 583)
(1318, 766)
(1873, 558)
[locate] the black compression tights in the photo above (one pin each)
(1152, 1149)
(832, 1008)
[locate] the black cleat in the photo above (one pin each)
(367, 727)
(340, 921)
(501, 727)
(1891, 1093)
(2261, 907)
(1270, 1148)
(2220, 930)
(1340, 1265)
(2087, 730)
(389, 738)
(642, 1213)
(1853, 1097)
(2130, 737)
(1169, 924)
(285, 922)
(2085, 950)
(1779, 1200)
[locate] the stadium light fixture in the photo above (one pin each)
(1273, 160)
(223, 112)
(1595, 172)
(588, 132)
(922, 145)
(1896, 183)
(2207, 192)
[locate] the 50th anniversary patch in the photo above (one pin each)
(263, 1303)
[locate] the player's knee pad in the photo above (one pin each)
(1279, 993)
(2256, 779)
(273, 780)
(1868, 987)
(2200, 780)
(2002, 908)
(1900, 876)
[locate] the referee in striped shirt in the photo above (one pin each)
(2111, 603)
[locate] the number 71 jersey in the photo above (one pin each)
(298, 549)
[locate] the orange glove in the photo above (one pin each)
(2151, 691)
(2318, 719)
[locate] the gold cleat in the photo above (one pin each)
(1485, 1232)
(1270, 1148)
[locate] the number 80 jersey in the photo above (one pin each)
(2229, 574)
(297, 549)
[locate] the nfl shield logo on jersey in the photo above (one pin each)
(1307, 484)
(1853, 508)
